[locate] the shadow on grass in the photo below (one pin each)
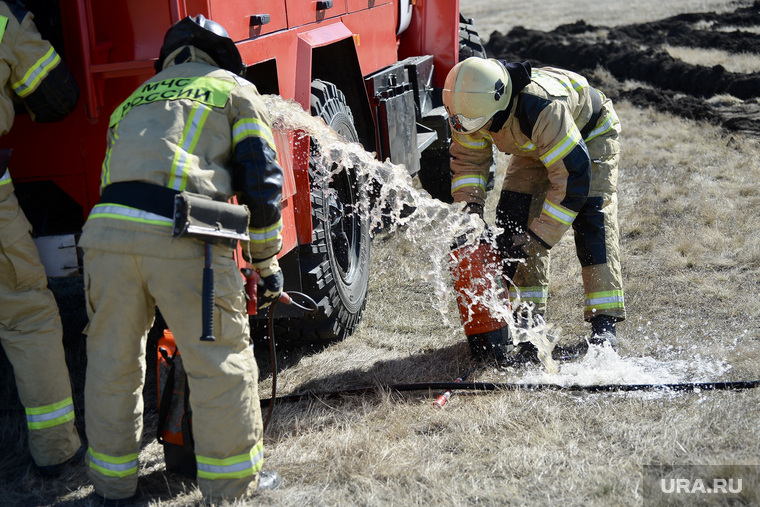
(439, 365)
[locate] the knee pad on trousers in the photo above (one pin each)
(590, 237)
(512, 212)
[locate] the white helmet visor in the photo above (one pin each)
(464, 125)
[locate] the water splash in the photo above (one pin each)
(602, 365)
(433, 227)
(433, 222)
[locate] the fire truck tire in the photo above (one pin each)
(335, 265)
(469, 40)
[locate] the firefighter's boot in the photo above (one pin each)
(603, 331)
(269, 480)
(491, 346)
(525, 351)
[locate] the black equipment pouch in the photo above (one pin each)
(210, 221)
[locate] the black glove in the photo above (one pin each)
(270, 287)
(474, 209)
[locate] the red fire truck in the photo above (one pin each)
(372, 69)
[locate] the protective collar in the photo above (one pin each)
(519, 73)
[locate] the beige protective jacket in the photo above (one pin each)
(544, 123)
(202, 129)
(192, 127)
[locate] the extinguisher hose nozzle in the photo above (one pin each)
(442, 399)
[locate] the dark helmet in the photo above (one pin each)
(206, 35)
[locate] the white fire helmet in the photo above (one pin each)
(475, 90)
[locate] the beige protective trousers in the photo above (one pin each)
(596, 233)
(122, 291)
(31, 336)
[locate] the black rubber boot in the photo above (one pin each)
(603, 331)
(56, 470)
(524, 352)
(491, 346)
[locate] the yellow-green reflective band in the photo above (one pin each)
(578, 86)
(252, 127)
(113, 466)
(530, 294)
(105, 173)
(33, 76)
(121, 212)
(3, 26)
(561, 215)
(5, 178)
(472, 142)
(529, 146)
(605, 127)
(265, 235)
(562, 148)
(612, 299)
(468, 181)
(38, 418)
(206, 90)
(236, 467)
(190, 136)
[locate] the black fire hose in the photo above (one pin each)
(491, 386)
(286, 298)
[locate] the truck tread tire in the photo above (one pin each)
(335, 265)
(469, 41)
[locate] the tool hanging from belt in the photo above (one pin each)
(195, 216)
(213, 222)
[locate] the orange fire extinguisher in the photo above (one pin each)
(174, 415)
(480, 288)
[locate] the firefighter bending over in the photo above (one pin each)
(30, 325)
(197, 126)
(562, 135)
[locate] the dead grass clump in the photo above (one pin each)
(740, 63)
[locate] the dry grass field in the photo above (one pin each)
(689, 194)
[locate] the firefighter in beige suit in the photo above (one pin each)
(562, 135)
(30, 325)
(197, 126)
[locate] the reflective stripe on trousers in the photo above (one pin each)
(113, 466)
(38, 418)
(234, 467)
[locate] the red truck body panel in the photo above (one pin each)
(111, 45)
